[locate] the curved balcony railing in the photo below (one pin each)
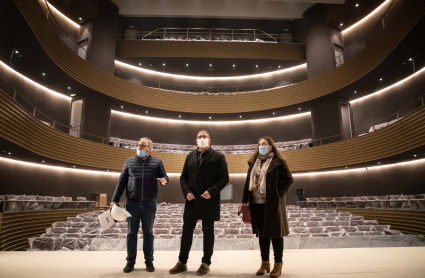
(221, 35)
(405, 17)
(16, 120)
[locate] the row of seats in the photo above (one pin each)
(224, 38)
(77, 232)
(379, 126)
(15, 203)
(225, 149)
(409, 202)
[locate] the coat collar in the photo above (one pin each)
(274, 163)
(205, 157)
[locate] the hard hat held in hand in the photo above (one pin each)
(119, 214)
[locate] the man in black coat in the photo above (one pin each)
(203, 177)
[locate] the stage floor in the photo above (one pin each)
(386, 262)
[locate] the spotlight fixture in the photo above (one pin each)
(16, 51)
(410, 59)
(43, 161)
(140, 64)
(234, 65)
(210, 118)
(147, 112)
(415, 155)
(187, 65)
(180, 116)
(107, 170)
(355, 92)
(380, 79)
(299, 108)
(279, 66)
(341, 24)
(122, 106)
(80, 18)
(273, 113)
(379, 162)
(210, 65)
(9, 153)
(72, 95)
(69, 88)
(346, 167)
(240, 116)
(44, 73)
(256, 66)
(163, 64)
(74, 166)
(357, 5)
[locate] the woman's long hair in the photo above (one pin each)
(270, 141)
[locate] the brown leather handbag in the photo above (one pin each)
(246, 213)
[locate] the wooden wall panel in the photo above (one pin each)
(23, 129)
(408, 14)
(194, 49)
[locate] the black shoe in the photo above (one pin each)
(150, 267)
(129, 268)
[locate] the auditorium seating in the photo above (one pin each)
(407, 202)
(225, 149)
(15, 203)
(78, 232)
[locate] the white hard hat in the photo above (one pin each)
(119, 214)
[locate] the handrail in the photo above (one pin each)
(54, 122)
(295, 78)
(351, 132)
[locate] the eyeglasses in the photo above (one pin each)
(143, 146)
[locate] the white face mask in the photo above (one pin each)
(202, 143)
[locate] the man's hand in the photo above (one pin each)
(112, 204)
(206, 195)
(190, 197)
(162, 181)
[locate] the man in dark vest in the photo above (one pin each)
(203, 177)
(139, 178)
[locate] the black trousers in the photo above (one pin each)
(259, 210)
(187, 237)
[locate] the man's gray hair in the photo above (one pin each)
(149, 140)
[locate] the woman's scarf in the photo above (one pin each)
(258, 174)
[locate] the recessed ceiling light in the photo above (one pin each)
(256, 66)
(187, 65)
(69, 88)
(147, 112)
(122, 106)
(240, 116)
(357, 5)
(273, 113)
(74, 166)
(43, 161)
(415, 155)
(210, 65)
(234, 65)
(346, 167)
(16, 51)
(210, 118)
(379, 162)
(341, 24)
(80, 18)
(299, 108)
(279, 66)
(163, 64)
(140, 64)
(180, 116)
(72, 95)
(355, 92)
(107, 170)
(9, 153)
(380, 79)
(44, 73)
(410, 59)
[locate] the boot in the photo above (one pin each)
(277, 270)
(265, 268)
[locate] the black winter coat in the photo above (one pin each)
(278, 181)
(138, 177)
(212, 176)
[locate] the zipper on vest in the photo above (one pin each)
(143, 176)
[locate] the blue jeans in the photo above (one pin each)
(144, 211)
